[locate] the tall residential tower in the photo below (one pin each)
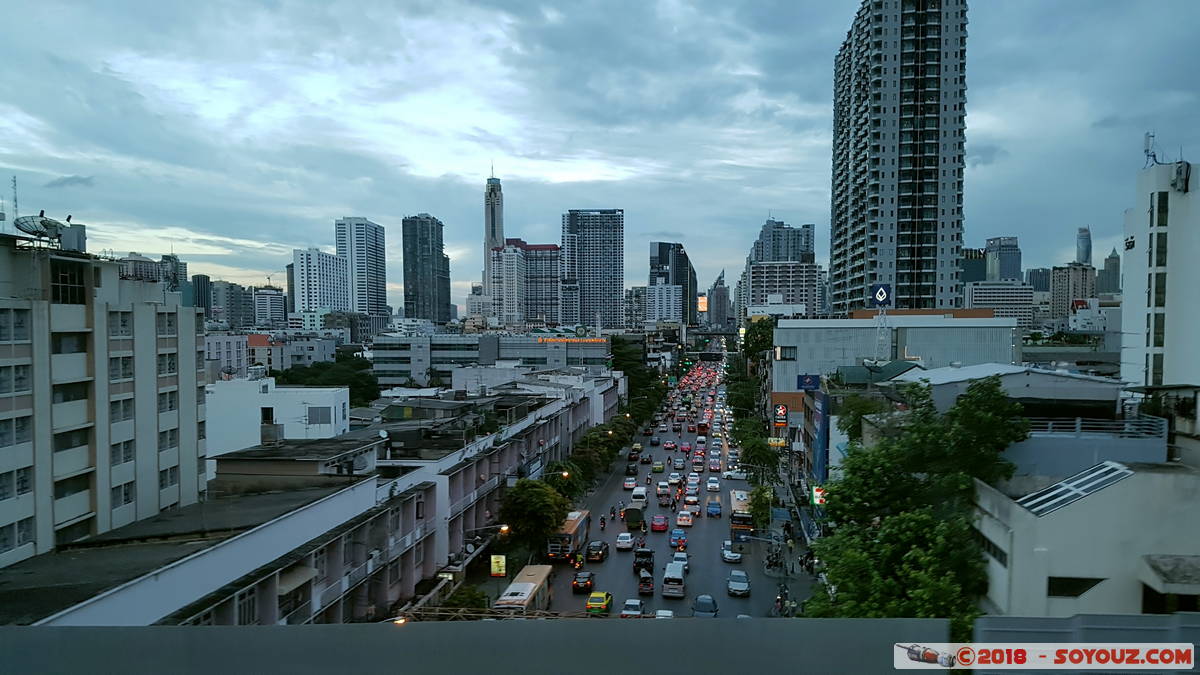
(361, 243)
(669, 264)
(426, 270)
(593, 267)
(898, 145)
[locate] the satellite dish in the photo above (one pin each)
(39, 225)
(383, 433)
(470, 548)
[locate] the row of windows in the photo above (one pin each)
(14, 483)
(15, 380)
(122, 452)
(16, 431)
(123, 494)
(168, 439)
(16, 534)
(14, 325)
(168, 477)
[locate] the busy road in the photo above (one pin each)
(708, 571)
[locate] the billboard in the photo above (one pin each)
(781, 413)
(881, 295)
(820, 443)
(499, 567)
(808, 382)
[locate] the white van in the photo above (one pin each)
(701, 440)
(638, 499)
(672, 583)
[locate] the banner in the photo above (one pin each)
(498, 566)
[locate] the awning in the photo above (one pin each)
(293, 578)
(1179, 574)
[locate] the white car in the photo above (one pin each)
(674, 479)
(684, 519)
(728, 554)
(734, 475)
(693, 477)
(681, 557)
(713, 485)
(664, 614)
(633, 609)
(664, 488)
(625, 541)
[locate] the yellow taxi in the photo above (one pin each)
(599, 602)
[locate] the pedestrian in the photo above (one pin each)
(791, 544)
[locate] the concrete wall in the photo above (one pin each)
(1061, 455)
(235, 406)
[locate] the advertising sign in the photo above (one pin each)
(881, 295)
(808, 382)
(781, 412)
(777, 442)
(498, 566)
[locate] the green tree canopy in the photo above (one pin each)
(851, 411)
(761, 499)
(533, 510)
(570, 487)
(760, 336)
(761, 459)
(467, 597)
(352, 372)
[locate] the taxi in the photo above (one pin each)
(658, 467)
(599, 602)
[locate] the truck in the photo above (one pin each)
(633, 518)
(571, 538)
(643, 559)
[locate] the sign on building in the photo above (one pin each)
(881, 295)
(808, 382)
(777, 442)
(781, 412)
(818, 495)
(499, 568)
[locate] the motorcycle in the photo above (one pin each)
(578, 564)
(601, 523)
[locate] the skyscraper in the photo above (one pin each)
(233, 304)
(1003, 259)
(781, 268)
(635, 307)
(493, 227)
(973, 265)
(1073, 281)
(290, 269)
(779, 241)
(669, 264)
(898, 139)
(525, 283)
(1083, 246)
(1039, 278)
(664, 302)
(426, 270)
(361, 243)
(202, 293)
(1109, 278)
(321, 281)
(593, 267)
(719, 308)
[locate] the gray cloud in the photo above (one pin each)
(71, 181)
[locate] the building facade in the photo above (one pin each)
(426, 270)
(795, 283)
(245, 405)
(507, 267)
(525, 284)
(233, 304)
(101, 407)
(1159, 322)
(1003, 259)
(593, 267)
(635, 307)
(362, 243)
(1039, 278)
(720, 310)
(779, 241)
(1007, 299)
(1083, 246)
(1073, 281)
(398, 360)
(1108, 279)
(669, 264)
(493, 227)
(202, 293)
(270, 307)
(229, 352)
(322, 281)
(664, 302)
(898, 149)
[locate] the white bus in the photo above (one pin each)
(672, 583)
(529, 592)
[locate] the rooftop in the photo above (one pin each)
(966, 373)
(41, 586)
(1175, 569)
(308, 449)
(898, 321)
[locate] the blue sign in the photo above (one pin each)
(881, 295)
(808, 382)
(820, 442)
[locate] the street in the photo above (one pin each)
(708, 572)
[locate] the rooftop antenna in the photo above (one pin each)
(16, 209)
(1147, 149)
(493, 168)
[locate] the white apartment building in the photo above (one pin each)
(1160, 323)
(230, 352)
(284, 353)
(507, 265)
(1007, 299)
(101, 412)
(1070, 282)
(244, 406)
(796, 283)
(322, 281)
(270, 307)
(664, 302)
(362, 243)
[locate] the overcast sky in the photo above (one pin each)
(233, 132)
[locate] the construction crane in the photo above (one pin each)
(270, 274)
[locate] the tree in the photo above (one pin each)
(760, 336)
(761, 499)
(467, 597)
(352, 372)
(982, 423)
(534, 511)
(570, 487)
(761, 459)
(853, 409)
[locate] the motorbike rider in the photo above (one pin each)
(601, 523)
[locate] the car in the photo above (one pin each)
(647, 431)
(713, 484)
(583, 582)
(693, 477)
(664, 488)
(631, 469)
(679, 464)
(658, 523)
(692, 428)
(701, 440)
(633, 609)
(728, 554)
(664, 614)
(645, 583)
(599, 602)
(658, 467)
(738, 583)
(704, 607)
(734, 475)
(662, 428)
(669, 445)
(637, 447)
(692, 490)
(713, 507)
(625, 541)
(597, 551)
(674, 479)
(655, 440)
(686, 447)
(676, 428)
(630, 482)
(684, 519)
(681, 557)
(714, 465)
(678, 538)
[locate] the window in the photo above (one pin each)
(7, 537)
(247, 608)
(165, 322)
(1159, 328)
(989, 547)
(199, 360)
(393, 572)
(120, 324)
(15, 431)
(71, 439)
(14, 325)
(120, 410)
(122, 452)
(168, 364)
(24, 480)
(14, 379)
(320, 415)
(1069, 587)
(168, 401)
(1160, 289)
(168, 477)
(25, 531)
(267, 415)
(1162, 209)
(7, 485)
(68, 343)
(420, 510)
(123, 494)
(319, 562)
(65, 393)
(201, 430)
(1156, 371)
(120, 368)
(66, 282)
(1160, 249)
(785, 353)
(167, 439)
(72, 486)
(200, 395)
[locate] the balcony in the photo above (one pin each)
(74, 460)
(69, 367)
(297, 616)
(70, 414)
(72, 506)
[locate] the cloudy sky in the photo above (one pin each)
(233, 132)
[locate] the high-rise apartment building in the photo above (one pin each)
(426, 270)
(635, 307)
(362, 243)
(898, 146)
(507, 266)
(493, 227)
(669, 264)
(322, 281)
(785, 282)
(1108, 279)
(720, 311)
(202, 293)
(664, 302)
(1073, 281)
(1007, 298)
(593, 267)
(290, 270)
(781, 255)
(779, 241)
(1003, 259)
(233, 304)
(101, 399)
(543, 264)
(1083, 246)
(1039, 278)
(270, 307)
(1159, 321)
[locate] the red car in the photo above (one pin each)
(686, 447)
(691, 427)
(669, 445)
(658, 523)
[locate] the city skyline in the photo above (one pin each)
(236, 210)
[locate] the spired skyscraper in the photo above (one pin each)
(898, 139)
(493, 227)
(593, 267)
(1083, 245)
(426, 270)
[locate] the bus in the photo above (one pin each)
(571, 538)
(702, 427)
(741, 523)
(530, 591)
